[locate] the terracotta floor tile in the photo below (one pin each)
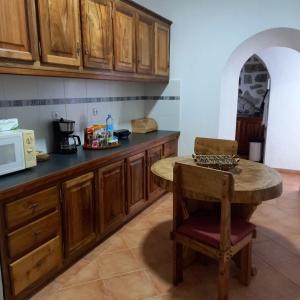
(67, 275)
(150, 257)
(272, 252)
(50, 292)
(131, 286)
(290, 269)
(117, 263)
(88, 273)
(91, 291)
(136, 262)
(269, 284)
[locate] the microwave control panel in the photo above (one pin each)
(29, 148)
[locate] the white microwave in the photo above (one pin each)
(17, 150)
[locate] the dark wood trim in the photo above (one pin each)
(147, 11)
(85, 74)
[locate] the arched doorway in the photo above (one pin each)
(252, 107)
(284, 38)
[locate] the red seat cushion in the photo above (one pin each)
(206, 229)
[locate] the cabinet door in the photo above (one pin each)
(17, 21)
(170, 148)
(79, 212)
(145, 44)
(153, 155)
(112, 196)
(136, 182)
(124, 37)
(162, 49)
(97, 33)
(60, 31)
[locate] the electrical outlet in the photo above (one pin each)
(95, 112)
(56, 115)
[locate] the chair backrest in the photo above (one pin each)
(208, 146)
(194, 182)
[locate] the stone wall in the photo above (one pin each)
(253, 85)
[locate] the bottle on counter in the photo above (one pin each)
(109, 128)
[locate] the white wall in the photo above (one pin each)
(203, 36)
(283, 144)
(165, 112)
(279, 37)
(39, 117)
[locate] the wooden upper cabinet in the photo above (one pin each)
(59, 22)
(145, 44)
(97, 33)
(124, 37)
(17, 29)
(79, 212)
(162, 49)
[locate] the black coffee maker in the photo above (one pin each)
(64, 141)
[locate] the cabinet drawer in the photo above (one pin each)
(26, 209)
(170, 148)
(35, 265)
(32, 235)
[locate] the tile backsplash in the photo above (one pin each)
(36, 101)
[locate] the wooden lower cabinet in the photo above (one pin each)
(112, 196)
(170, 148)
(44, 232)
(79, 212)
(153, 155)
(136, 182)
(35, 265)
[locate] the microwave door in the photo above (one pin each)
(11, 154)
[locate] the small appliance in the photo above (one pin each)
(17, 150)
(122, 134)
(65, 141)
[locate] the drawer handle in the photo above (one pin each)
(36, 233)
(33, 207)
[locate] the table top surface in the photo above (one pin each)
(253, 182)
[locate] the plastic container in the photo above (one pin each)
(109, 128)
(255, 150)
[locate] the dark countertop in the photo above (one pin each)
(62, 162)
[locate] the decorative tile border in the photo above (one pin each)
(35, 102)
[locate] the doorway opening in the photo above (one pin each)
(252, 108)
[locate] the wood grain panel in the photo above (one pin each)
(162, 49)
(153, 155)
(27, 209)
(136, 181)
(79, 212)
(59, 22)
(248, 128)
(170, 148)
(16, 32)
(32, 235)
(145, 44)
(124, 37)
(112, 196)
(97, 33)
(32, 267)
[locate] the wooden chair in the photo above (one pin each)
(215, 236)
(215, 146)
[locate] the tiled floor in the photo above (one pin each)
(135, 263)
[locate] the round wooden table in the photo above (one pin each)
(253, 182)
